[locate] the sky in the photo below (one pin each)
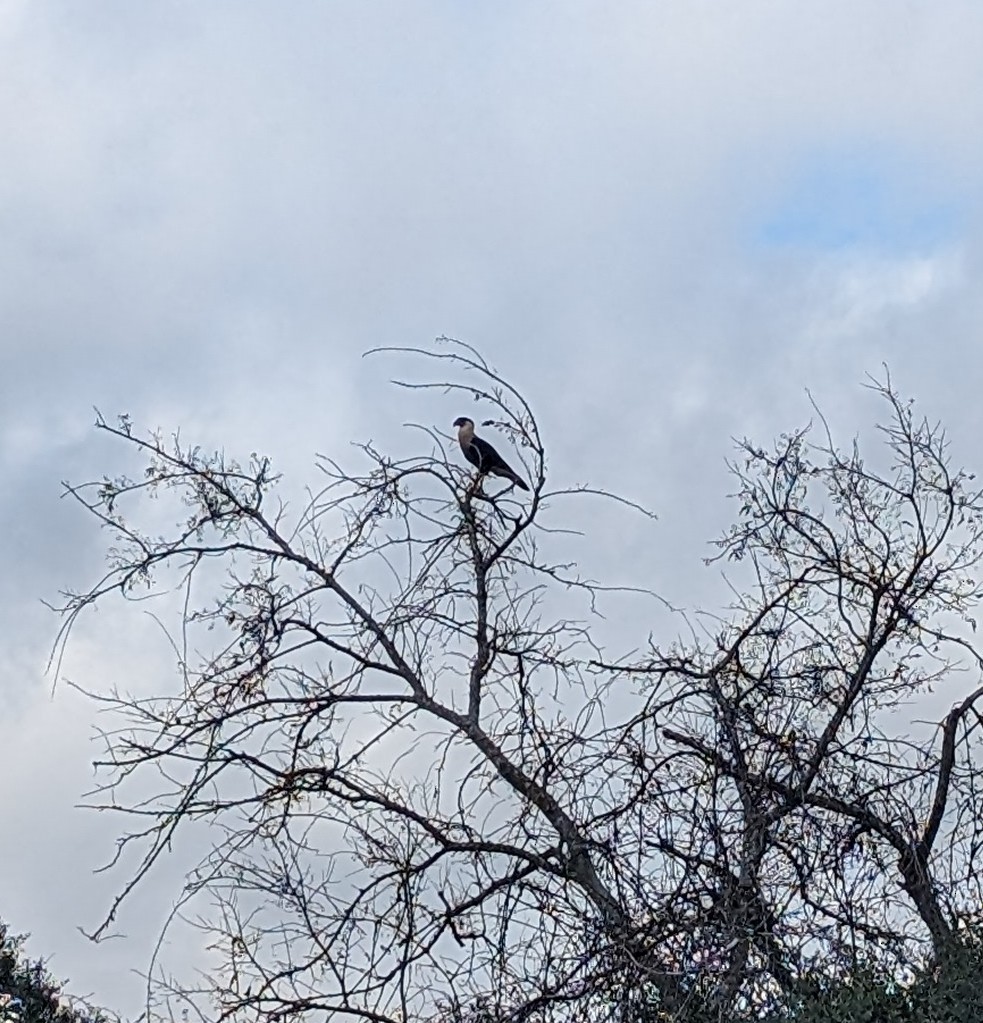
(663, 221)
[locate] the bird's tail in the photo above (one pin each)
(506, 472)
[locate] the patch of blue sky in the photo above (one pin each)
(858, 199)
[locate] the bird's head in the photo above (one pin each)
(464, 421)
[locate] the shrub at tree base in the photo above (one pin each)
(946, 991)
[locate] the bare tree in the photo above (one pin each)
(439, 798)
(828, 832)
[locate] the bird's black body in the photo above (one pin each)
(482, 455)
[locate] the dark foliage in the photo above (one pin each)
(28, 993)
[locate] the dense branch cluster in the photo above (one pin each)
(440, 799)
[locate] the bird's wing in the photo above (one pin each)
(488, 458)
(490, 461)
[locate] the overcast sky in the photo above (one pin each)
(662, 220)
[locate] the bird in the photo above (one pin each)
(482, 455)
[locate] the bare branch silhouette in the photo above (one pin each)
(439, 798)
